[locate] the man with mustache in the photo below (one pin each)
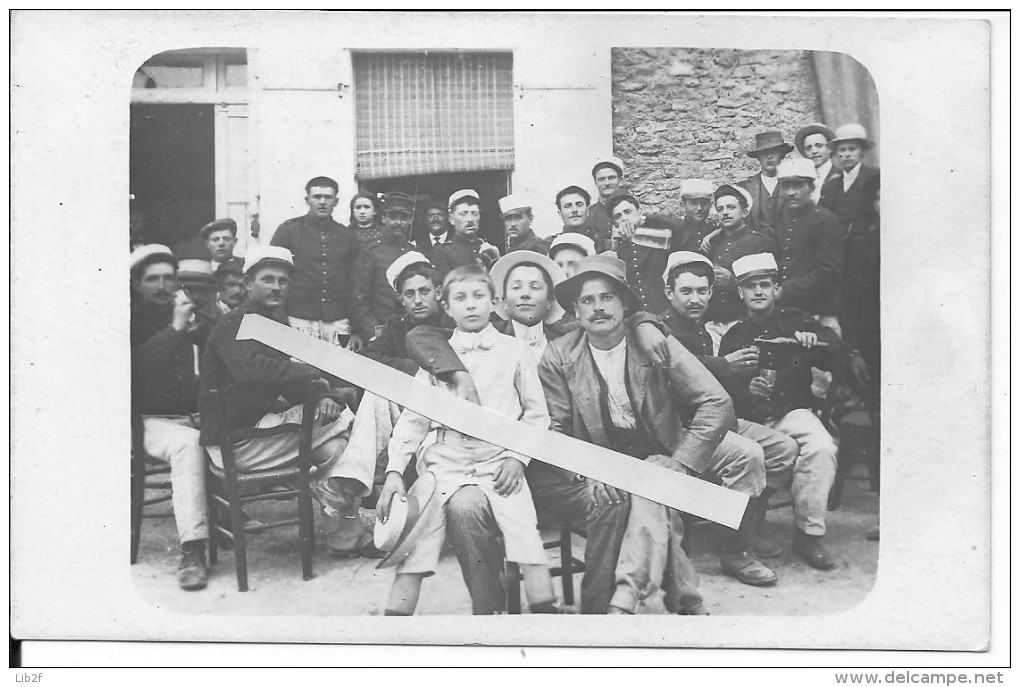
(526, 309)
(601, 388)
(251, 377)
(465, 247)
(164, 393)
(573, 204)
(809, 243)
(688, 280)
(438, 225)
(517, 218)
(769, 150)
(608, 177)
(777, 393)
(325, 303)
(230, 293)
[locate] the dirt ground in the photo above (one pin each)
(276, 587)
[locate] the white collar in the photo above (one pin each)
(770, 183)
(850, 177)
(434, 240)
(522, 331)
(822, 172)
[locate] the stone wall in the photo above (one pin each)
(681, 112)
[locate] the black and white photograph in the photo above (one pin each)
(396, 317)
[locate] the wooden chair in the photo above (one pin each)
(290, 483)
(858, 442)
(145, 474)
(568, 567)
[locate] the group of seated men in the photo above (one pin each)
(701, 344)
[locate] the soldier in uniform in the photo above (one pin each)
(517, 218)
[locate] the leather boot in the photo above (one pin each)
(737, 558)
(809, 547)
(761, 547)
(192, 573)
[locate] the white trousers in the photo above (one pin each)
(173, 439)
(814, 470)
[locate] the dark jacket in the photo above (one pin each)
(424, 243)
(645, 264)
(390, 347)
(370, 281)
(696, 339)
(163, 380)
(854, 208)
(763, 206)
(809, 252)
(261, 375)
(683, 408)
(456, 253)
(322, 281)
(530, 242)
(598, 226)
(793, 381)
(726, 305)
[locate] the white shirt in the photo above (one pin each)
(850, 177)
(612, 365)
(533, 336)
(821, 174)
(770, 183)
(436, 240)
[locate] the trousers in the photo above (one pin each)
(652, 557)
(779, 452)
(173, 439)
(472, 532)
(814, 471)
(328, 449)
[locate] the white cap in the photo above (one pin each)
(259, 254)
(463, 193)
(147, 251)
(574, 240)
(739, 189)
(851, 132)
(797, 168)
(514, 202)
(683, 257)
(695, 188)
(608, 160)
(754, 265)
(195, 268)
(400, 264)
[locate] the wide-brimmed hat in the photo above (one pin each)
(217, 225)
(572, 239)
(508, 262)
(767, 140)
(603, 265)
(257, 255)
(754, 265)
(811, 130)
(405, 522)
(411, 257)
(851, 132)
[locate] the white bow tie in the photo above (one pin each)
(463, 342)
